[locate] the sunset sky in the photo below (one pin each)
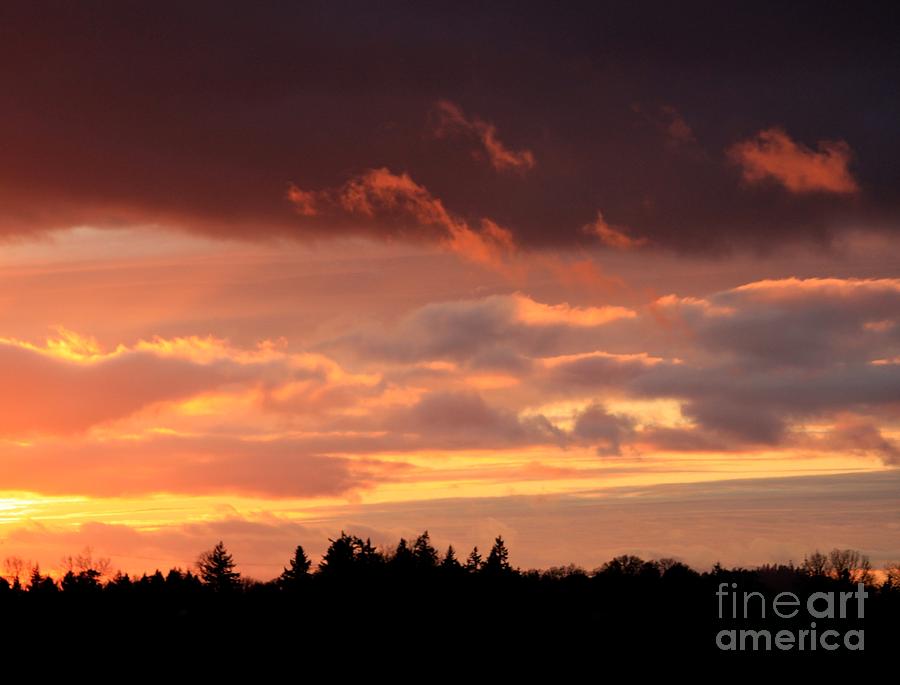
(603, 280)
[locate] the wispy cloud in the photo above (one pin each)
(452, 121)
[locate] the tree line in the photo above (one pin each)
(361, 596)
(350, 558)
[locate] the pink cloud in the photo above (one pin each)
(452, 121)
(772, 154)
(612, 236)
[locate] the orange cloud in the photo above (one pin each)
(395, 205)
(70, 384)
(52, 391)
(451, 119)
(612, 236)
(382, 196)
(531, 312)
(772, 154)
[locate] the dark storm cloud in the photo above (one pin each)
(202, 115)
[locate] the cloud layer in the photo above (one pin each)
(782, 365)
(205, 129)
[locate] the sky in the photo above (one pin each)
(601, 279)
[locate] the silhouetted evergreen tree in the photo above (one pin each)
(425, 555)
(498, 558)
(298, 570)
(216, 568)
(450, 562)
(368, 557)
(341, 556)
(83, 581)
(158, 582)
(473, 562)
(121, 582)
(402, 561)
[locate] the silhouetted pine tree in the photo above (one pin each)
(425, 555)
(121, 582)
(297, 572)
(367, 556)
(450, 562)
(498, 558)
(402, 561)
(217, 569)
(473, 563)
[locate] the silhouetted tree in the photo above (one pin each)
(368, 557)
(339, 556)
(816, 564)
(298, 570)
(86, 564)
(348, 554)
(474, 562)
(174, 579)
(675, 571)
(121, 582)
(450, 562)
(892, 574)
(625, 565)
(83, 581)
(37, 582)
(15, 567)
(562, 572)
(425, 555)
(850, 565)
(497, 561)
(216, 568)
(402, 561)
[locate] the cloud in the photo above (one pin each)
(861, 434)
(190, 465)
(794, 322)
(605, 431)
(208, 143)
(70, 385)
(382, 203)
(612, 236)
(771, 364)
(773, 353)
(669, 121)
(576, 373)
(451, 121)
(460, 420)
(772, 154)
(50, 391)
(476, 331)
(399, 206)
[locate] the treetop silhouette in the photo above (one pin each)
(216, 568)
